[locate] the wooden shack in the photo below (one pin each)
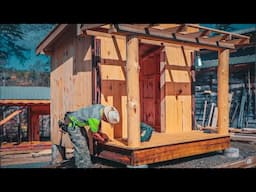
(145, 71)
(33, 99)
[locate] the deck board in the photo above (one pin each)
(163, 147)
(162, 139)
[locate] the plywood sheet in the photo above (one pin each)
(113, 82)
(177, 112)
(70, 80)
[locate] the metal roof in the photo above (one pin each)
(24, 93)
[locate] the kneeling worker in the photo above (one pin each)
(74, 123)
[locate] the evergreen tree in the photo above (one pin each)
(224, 27)
(10, 34)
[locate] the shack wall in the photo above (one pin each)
(71, 86)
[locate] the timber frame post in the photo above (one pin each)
(133, 92)
(223, 90)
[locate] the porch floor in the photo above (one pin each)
(161, 139)
(162, 147)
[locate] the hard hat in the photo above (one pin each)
(112, 115)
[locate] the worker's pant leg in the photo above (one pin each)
(81, 150)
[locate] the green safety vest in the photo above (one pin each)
(93, 123)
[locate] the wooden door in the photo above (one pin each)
(150, 90)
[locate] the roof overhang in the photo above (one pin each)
(200, 37)
(50, 38)
(186, 34)
(44, 46)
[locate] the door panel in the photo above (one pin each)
(150, 90)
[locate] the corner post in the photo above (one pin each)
(223, 89)
(133, 92)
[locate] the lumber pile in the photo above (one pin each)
(244, 134)
(249, 162)
(9, 117)
(242, 108)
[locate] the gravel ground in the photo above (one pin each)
(209, 160)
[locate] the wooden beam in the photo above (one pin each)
(174, 36)
(199, 33)
(239, 41)
(249, 162)
(176, 29)
(34, 128)
(153, 40)
(158, 153)
(186, 149)
(133, 92)
(23, 102)
(19, 129)
(244, 138)
(167, 41)
(90, 26)
(216, 43)
(147, 25)
(9, 117)
(218, 38)
(177, 67)
(218, 31)
(223, 81)
(102, 34)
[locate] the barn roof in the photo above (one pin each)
(24, 95)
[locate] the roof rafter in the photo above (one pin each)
(176, 29)
(166, 34)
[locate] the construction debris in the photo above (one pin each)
(249, 162)
(9, 117)
(232, 152)
(241, 137)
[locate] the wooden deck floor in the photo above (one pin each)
(162, 139)
(162, 147)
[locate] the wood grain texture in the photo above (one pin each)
(164, 153)
(113, 82)
(223, 81)
(70, 80)
(164, 147)
(133, 92)
(176, 89)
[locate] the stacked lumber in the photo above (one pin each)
(244, 134)
(242, 85)
(249, 162)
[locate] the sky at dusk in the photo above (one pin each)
(33, 37)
